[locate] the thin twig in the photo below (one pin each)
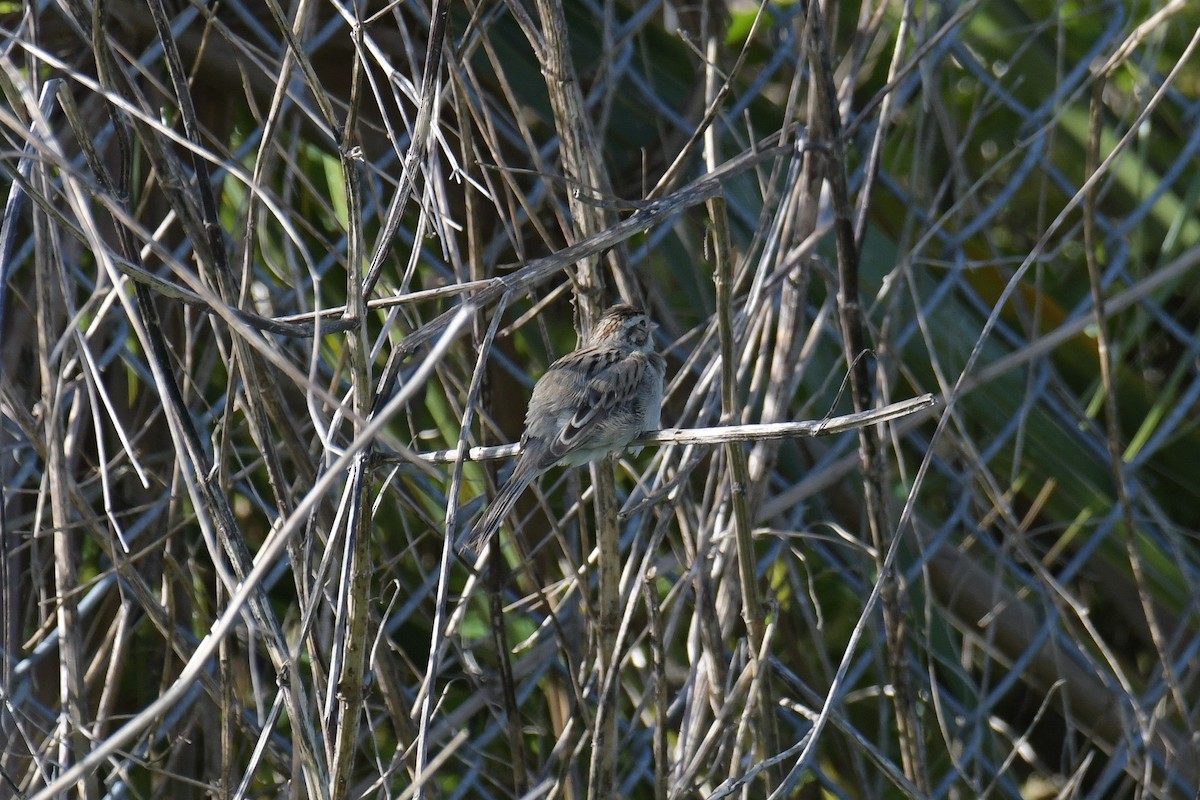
(715, 435)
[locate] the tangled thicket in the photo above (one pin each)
(258, 260)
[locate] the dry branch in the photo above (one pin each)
(715, 435)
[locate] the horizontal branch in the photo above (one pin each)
(726, 433)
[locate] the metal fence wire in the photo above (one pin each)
(262, 262)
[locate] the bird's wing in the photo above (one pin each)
(610, 385)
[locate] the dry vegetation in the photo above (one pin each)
(259, 259)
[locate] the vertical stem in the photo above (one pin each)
(581, 163)
(579, 152)
(349, 679)
(654, 625)
(71, 734)
(602, 777)
(827, 123)
(739, 478)
(735, 453)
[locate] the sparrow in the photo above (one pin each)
(590, 403)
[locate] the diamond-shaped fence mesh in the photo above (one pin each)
(270, 272)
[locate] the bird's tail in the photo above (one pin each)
(499, 508)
